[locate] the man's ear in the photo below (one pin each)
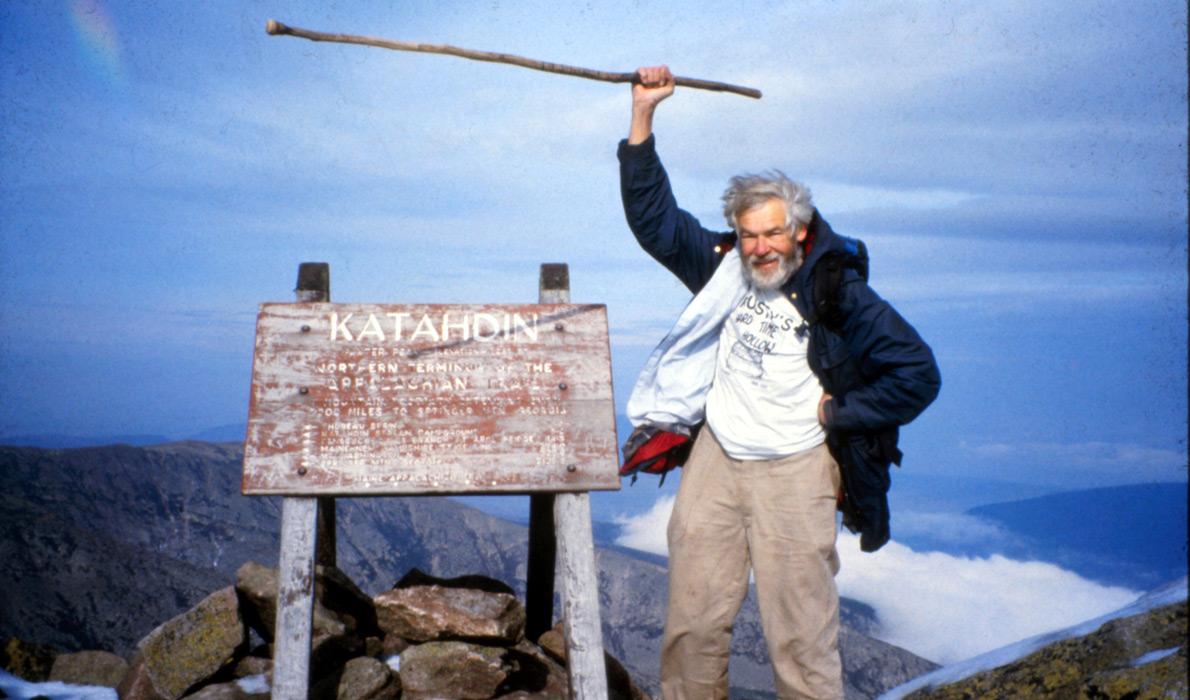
(800, 236)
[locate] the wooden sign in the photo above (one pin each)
(371, 399)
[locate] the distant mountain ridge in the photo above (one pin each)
(1122, 535)
(232, 432)
(57, 441)
(102, 543)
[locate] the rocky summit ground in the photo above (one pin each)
(1141, 657)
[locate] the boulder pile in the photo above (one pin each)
(425, 638)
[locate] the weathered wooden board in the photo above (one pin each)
(372, 399)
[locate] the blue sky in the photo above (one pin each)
(1017, 169)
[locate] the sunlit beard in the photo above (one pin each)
(786, 266)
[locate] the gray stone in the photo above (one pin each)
(136, 684)
(252, 666)
(89, 668)
(335, 591)
(226, 691)
(31, 662)
(194, 645)
(363, 678)
(392, 645)
(340, 607)
(431, 613)
(535, 675)
(256, 585)
(329, 653)
(219, 691)
(452, 670)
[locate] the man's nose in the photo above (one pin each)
(762, 245)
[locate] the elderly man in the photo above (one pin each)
(797, 368)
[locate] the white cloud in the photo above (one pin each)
(1096, 455)
(948, 608)
(646, 531)
(845, 197)
(942, 607)
(951, 528)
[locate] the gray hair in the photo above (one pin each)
(747, 191)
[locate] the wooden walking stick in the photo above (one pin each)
(276, 28)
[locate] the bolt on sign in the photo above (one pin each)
(372, 399)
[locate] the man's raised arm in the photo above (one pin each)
(656, 84)
(672, 236)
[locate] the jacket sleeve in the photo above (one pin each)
(672, 236)
(899, 376)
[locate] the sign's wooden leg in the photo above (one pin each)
(314, 286)
(580, 597)
(327, 535)
(539, 576)
(295, 599)
(553, 287)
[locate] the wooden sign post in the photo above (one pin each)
(374, 399)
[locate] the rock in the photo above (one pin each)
(194, 645)
(619, 681)
(136, 684)
(252, 666)
(329, 653)
(219, 691)
(340, 607)
(256, 584)
(335, 591)
(226, 691)
(31, 662)
(1163, 677)
(452, 670)
(553, 642)
(431, 613)
(1142, 656)
(89, 668)
(535, 675)
(363, 678)
(392, 645)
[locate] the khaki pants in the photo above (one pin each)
(776, 518)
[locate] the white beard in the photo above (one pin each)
(786, 266)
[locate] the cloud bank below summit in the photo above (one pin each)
(942, 607)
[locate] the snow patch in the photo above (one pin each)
(1153, 656)
(254, 685)
(15, 687)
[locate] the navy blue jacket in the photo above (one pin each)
(878, 370)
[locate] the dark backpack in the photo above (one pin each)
(828, 280)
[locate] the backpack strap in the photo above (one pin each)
(828, 281)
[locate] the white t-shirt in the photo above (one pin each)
(763, 403)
